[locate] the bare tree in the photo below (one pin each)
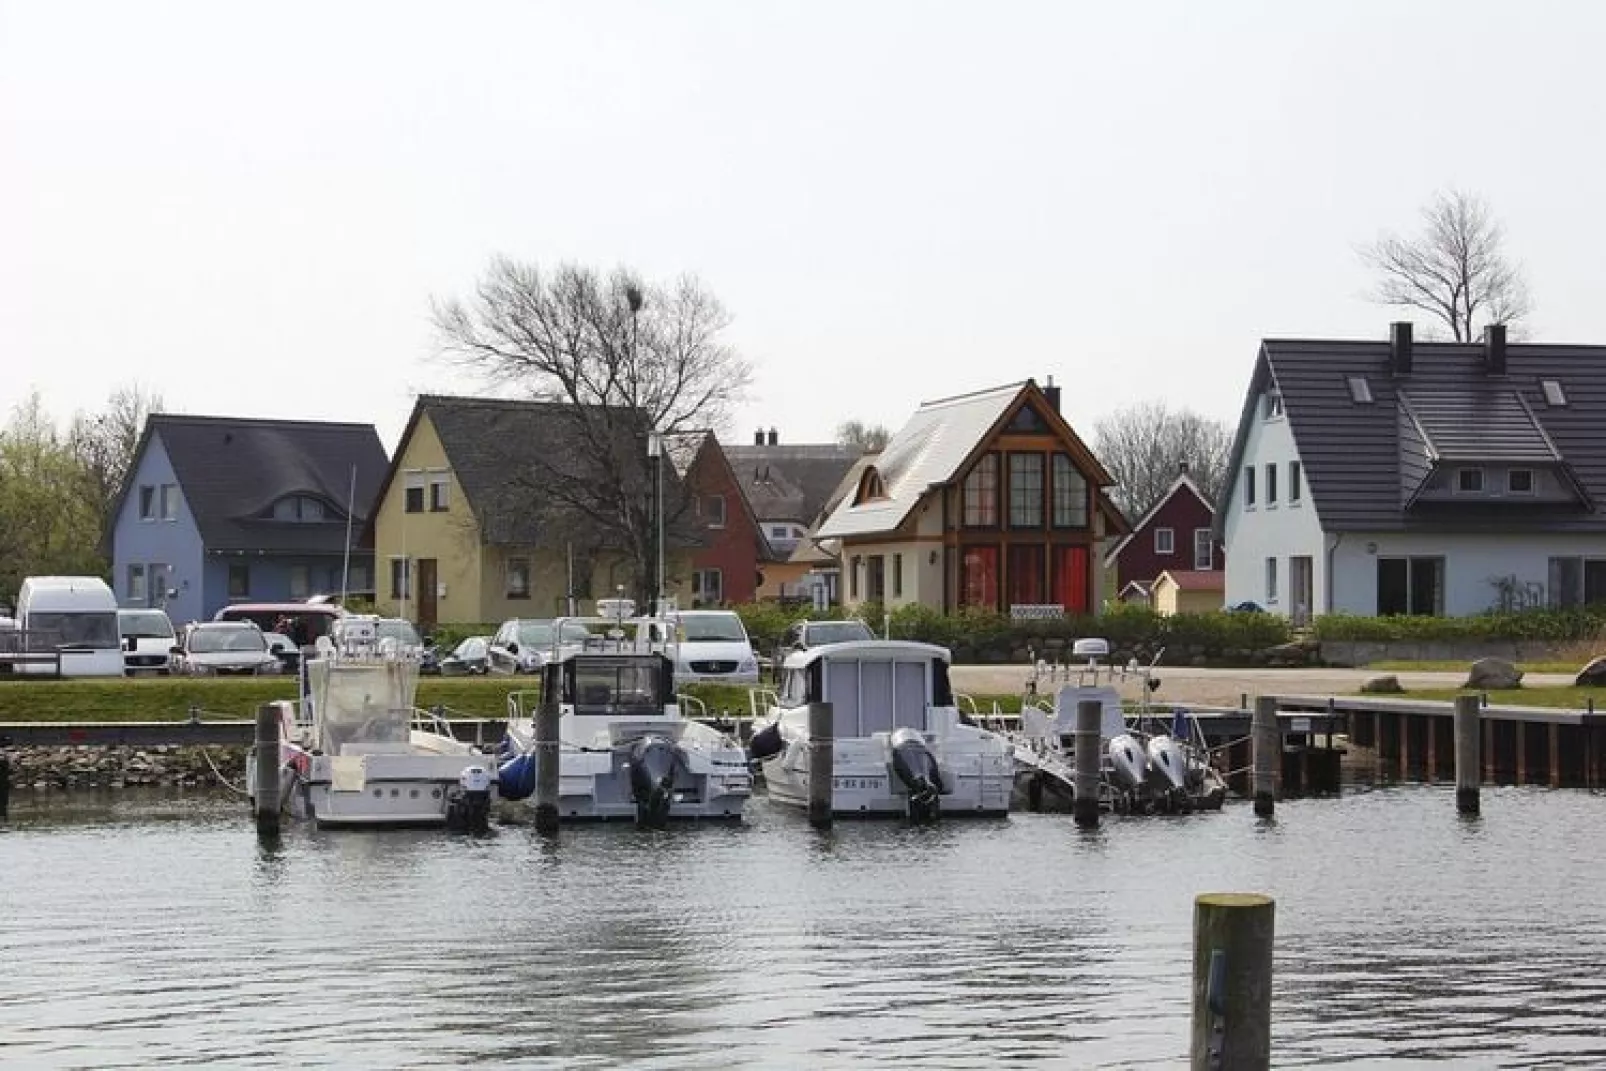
(624, 360)
(866, 438)
(1456, 270)
(103, 443)
(1145, 447)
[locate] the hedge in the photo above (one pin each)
(1551, 626)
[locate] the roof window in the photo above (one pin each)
(1554, 395)
(1360, 391)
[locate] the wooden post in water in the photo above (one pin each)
(1468, 763)
(5, 784)
(548, 764)
(269, 802)
(1232, 942)
(1085, 807)
(822, 764)
(1267, 743)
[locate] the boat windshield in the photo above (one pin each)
(713, 628)
(145, 625)
(616, 684)
(217, 640)
(362, 703)
(96, 630)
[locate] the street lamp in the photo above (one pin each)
(655, 450)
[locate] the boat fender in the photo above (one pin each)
(515, 778)
(917, 768)
(766, 743)
(653, 760)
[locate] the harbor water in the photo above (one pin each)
(138, 929)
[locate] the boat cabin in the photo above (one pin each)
(361, 707)
(873, 686)
(611, 683)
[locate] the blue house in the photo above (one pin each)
(217, 510)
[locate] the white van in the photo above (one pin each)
(76, 615)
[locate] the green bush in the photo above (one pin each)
(1554, 626)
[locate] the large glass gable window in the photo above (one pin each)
(981, 494)
(1070, 494)
(1026, 490)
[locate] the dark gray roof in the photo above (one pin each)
(1361, 459)
(231, 471)
(510, 456)
(790, 483)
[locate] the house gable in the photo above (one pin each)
(1184, 511)
(737, 546)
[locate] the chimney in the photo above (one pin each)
(758, 437)
(1494, 349)
(775, 437)
(1182, 468)
(1400, 348)
(1052, 393)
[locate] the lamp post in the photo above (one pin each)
(655, 450)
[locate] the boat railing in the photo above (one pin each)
(691, 706)
(760, 700)
(432, 720)
(521, 703)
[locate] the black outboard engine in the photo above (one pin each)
(468, 806)
(766, 743)
(653, 760)
(917, 768)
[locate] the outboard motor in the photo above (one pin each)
(766, 743)
(468, 806)
(1168, 762)
(1130, 762)
(653, 760)
(917, 768)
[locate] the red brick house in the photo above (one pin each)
(1174, 536)
(726, 568)
(987, 500)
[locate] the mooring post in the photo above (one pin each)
(1232, 943)
(1468, 763)
(5, 784)
(548, 764)
(1267, 747)
(822, 764)
(269, 800)
(1085, 807)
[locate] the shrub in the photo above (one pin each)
(1544, 625)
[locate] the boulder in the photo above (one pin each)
(1493, 674)
(1286, 654)
(1385, 685)
(1592, 675)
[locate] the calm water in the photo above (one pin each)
(144, 929)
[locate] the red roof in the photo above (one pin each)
(1198, 579)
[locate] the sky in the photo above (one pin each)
(249, 208)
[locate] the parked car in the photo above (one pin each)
(712, 646)
(285, 650)
(303, 622)
(398, 629)
(523, 645)
(223, 648)
(467, 658)
(75, 616)
(805, 634)
(148, 640)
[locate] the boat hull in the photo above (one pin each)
(976, 782)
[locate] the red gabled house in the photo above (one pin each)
(1173, 536)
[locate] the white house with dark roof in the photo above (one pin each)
(1402, 477)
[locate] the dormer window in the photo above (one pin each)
(300, 508)
(1554, 395)
(1360, 391)
(870, 487)
(1520, 481)
(1469, 481)
(1271, 405)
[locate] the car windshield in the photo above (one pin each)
(714, 628)
(535, 633)
(76, 629)
(145, 625)
(401, 631)
(470, 648)
(218, 640)
(837, 632)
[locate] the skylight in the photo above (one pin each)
(1360, 391)
(1554, 395)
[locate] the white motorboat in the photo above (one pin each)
(355, 751)
(899, 745)
(627, 750)
(1149, 762)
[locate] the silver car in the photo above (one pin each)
(523, 644)
(223, 648)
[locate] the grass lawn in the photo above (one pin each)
(170, 698)
(1565, 697)
(1461, 667)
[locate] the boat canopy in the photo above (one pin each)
(361, 701)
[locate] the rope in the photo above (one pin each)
(206, 753)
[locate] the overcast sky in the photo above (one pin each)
(248, 208)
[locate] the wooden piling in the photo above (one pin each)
(1267, 743)
(548, 764)
(269, 801)
(1488, 750)
(1232, 950)
(1085, 807)
(822, 764)
(1468, 763)
(1555, 755)
(5, 785)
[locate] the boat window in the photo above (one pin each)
(942, 692)
(842, 692)
(794, 688)
(909, 695)
(615, 684)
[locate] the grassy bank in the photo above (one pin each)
(1567, 698)
(170, 698)
(1461, 666)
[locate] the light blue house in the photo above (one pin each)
(218, 510)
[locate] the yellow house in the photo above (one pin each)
(986, 500)
(1189, 591)
(464, 532)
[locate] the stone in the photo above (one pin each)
(1592, 675)
(1385, 685)
(1493, 674)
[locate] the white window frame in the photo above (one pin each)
(440, 494)
(1165, 541)
(1555, 396)
(168, 497)
(708, 514)
(700, 585)
(1271, 406)
(147, 502)
(1533, 482)
(1249, 487)
(404, 590)
(1461, 489)
(1205, 543)
(509, 570)
(1296, 483)
(1360, 391)
(138, 591)
(1271, 483)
